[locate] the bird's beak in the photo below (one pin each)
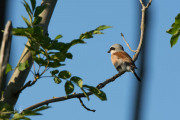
(109, 51)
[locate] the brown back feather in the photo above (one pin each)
(127, 59)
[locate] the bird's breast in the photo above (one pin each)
(116, 61)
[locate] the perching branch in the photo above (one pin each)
(103, 84)
(79, 95)
(4, 54)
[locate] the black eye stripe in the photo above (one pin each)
(112, 48)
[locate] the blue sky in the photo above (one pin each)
(92, 63)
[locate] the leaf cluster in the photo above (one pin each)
(175, 30)
(33, 13)
(49, 54)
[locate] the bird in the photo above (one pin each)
(122, 61)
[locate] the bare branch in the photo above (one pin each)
(4, 53)
(141, 3)
(142, 28)
(149, 3)
(85, 106)
(127, 43)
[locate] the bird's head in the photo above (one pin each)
(116, 48)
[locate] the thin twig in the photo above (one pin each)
(142, 28)
(149, 3)
(85, 106)
(34, 68)
(28, 84)
(127, 43)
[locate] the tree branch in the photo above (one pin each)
(103, 84)
(142, 28)
(127, 43)
(4, 53)
(18, 78)
(79, 95)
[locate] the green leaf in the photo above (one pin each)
(28, 10)
(97, 32)
(23, 66)
(26, 21)
(59, 56)
(33, 4)
(69, 87)
(17, 116)
(177, 19)
(27, 32)
(39, 10)
(69, 55)
(57, 80)
(54, 72)
(174, 38)
(64, 74)
(85, 93)
(100, 94)
(37, 20)
(102, 27)
(41, 108)
(19, 31)
(40, 61)
(77, 80)
(55, 64)
(58, 36)
(8, 68)
(77, 41)
(86, 35)
(175, 30)
(30, 113)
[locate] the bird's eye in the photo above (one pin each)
(112, 48)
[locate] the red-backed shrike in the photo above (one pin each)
(121, 60)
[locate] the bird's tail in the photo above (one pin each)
(138, 78)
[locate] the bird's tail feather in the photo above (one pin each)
(138, 78)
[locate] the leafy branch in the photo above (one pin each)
(103, 84)
(175, 30)
(50, 54)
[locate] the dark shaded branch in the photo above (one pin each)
(141, 88)
(28, 84)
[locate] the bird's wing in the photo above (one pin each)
(125, 57)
